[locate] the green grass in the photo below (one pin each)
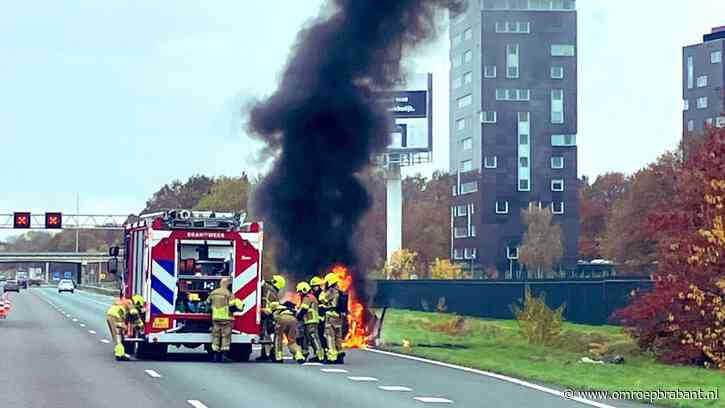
(497, 346)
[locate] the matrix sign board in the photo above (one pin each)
(410, 105)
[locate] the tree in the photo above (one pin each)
(683, 319)
(402, 264)
(596, 203)
(180, 195)
(229, 194)
(542, 245)
(445, 269)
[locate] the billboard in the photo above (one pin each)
(410, 105)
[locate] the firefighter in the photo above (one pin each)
(331, 303)
(222, 307)
(308, 313)
(316, 284)
(122, 311)
(270, 294)
(285, 326)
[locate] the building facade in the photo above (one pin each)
(703, 76)
(513, 126)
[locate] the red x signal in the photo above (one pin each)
(53, 220)
(21, 220)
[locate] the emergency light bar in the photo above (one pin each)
(188, 219)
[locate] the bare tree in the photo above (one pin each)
(542, 246)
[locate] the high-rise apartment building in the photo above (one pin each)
(703, 76)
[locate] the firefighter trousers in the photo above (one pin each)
(117, 327)
(221, 335)
(312, 338)
(286, 327)
(267, 330)
(333, 336)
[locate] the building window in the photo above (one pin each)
(557, 106)
(512, 61)
(557, 207)
(716, 57)
(457, 252)
(454, 190)
(488, 117)
(524, 162)
(457, 60)
(523, 185)
(512, 252)
(524, 152)
(467, 56)
(470, 187)
(720, 122)
(465, 100)
(523, 116)
(468, 34)
(466, 165)
(490, 162)
(457, 82)
(467, 143)
(502, 207)
(557, 162)
(702, 102)
(544, 5)
(686, 105)
(562, 50)
(513, 27)
(469, 253)
(563, 140)
(557, 72)
(456, 40)
(557, 185)
(690, 72)
(461, 210)
(460, 232)
(489, 71)
(691, 125)
(512, 94)
(523, 139)
(461, 123)
(467, 78)
(702, 81)
(708, 122)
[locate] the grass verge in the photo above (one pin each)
(497, 346)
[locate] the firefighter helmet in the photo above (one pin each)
(138, 300)
(331, 279)
(303, 287)
(279, 282)
(316, 281)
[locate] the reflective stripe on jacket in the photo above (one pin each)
(329, 300)
(220, 299)
(311, 309)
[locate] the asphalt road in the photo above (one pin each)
(54, 353)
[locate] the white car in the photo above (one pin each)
(66, 285)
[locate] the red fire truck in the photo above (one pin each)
(174, 259)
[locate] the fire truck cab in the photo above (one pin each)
(174, 259)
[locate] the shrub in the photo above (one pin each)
(401, 264)
(444, 269)
(539, 324)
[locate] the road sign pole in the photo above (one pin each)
(394, 213)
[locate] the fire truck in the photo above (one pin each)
(174, 259)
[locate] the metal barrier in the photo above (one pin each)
(587, 301)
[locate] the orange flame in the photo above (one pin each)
(357, 334)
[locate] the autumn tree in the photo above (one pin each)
(445, 269)
(180, 195)
(542, 245)
(596, 203)
(683, 319)
(228, 194)
(402, 264)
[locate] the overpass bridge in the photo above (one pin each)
(87, 267)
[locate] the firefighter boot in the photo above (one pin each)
(300, 358)
(224, 358)
(264, 356)
(119, 352)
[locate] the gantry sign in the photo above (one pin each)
(57, 220)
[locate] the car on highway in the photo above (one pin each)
(66, 285)
(12, 286)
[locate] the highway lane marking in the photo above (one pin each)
(92, 331)
(75, 320)
(152, 373)
(397, 388)
(494, 375)
(196, 404)
(82, 325)
(433, 400)
(333, 370)
(105, 341)
(362, 379)
(312, 364)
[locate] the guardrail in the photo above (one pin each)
(98, 289)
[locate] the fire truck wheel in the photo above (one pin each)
(240, 352)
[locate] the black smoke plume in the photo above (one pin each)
(325, 123)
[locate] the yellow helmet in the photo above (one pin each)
(138, 300)
(303, 287)
(316, 281)
(331, 279)
(279, 282)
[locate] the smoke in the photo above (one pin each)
(324, 122)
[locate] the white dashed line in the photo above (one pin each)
(398, 388)
(105, 341)
(152, 373)
(333, 370)
(91, 331)
(196, 404)
(363, 379)
(312, 364)
(82, 325)
(75, 320)
(433, 400)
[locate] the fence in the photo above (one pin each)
(587, 301)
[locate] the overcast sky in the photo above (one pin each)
(114, 99)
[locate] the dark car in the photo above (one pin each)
(12, 286)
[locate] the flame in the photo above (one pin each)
(357, 334)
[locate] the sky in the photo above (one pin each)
(111, 100)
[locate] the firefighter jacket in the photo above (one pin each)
(309, 311)
(330, 301)
(125, 311)
(280, 312)
(270, 294)
(221, 304)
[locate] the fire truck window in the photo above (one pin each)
(206, 259)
